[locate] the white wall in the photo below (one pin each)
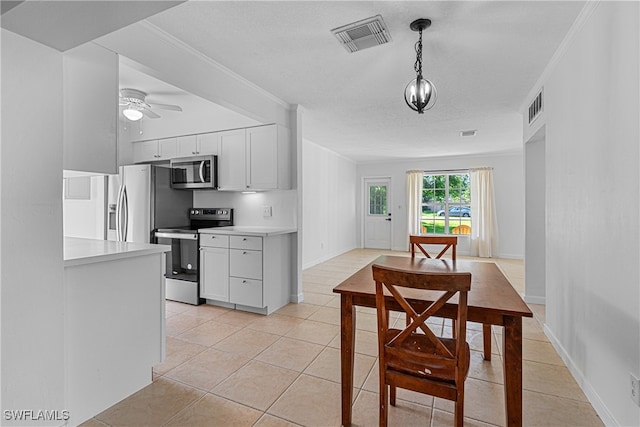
(535, 218)
(248, 207)
(31, 298)
(328, 204)
(85, 218)
(508, 187)
(592, 98)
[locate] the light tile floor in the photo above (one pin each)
(231, 368)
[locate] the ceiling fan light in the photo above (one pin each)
(132, 114)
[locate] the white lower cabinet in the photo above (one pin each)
(251, 272)
(214, 271)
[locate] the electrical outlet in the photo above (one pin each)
(635, 389)
(266, 211)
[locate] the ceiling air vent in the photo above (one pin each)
(363, 34)
(536, 107)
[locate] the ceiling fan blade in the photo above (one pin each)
(150, 114)
(166, 107)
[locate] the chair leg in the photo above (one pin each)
(392, 395)
(383, 405)
(458, 416)
(486, 338)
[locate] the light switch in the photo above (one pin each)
(266, 211)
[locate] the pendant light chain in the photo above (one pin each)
(418, 65)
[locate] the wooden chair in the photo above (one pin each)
(448, 242)
(461, 229)
(417, 241)
(414, 358)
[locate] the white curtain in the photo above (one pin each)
(414, 202)
(484, 224)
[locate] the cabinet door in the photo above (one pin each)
(262, 157)
(167, 149)
(145, 151)
(208, 143)
(231, 160)
(187, 146)
(214, 275)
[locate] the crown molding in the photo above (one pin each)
(586, 12)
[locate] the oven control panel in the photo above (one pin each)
(218, 214)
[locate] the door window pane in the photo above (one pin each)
(378, 200)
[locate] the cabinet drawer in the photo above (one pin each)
(214, 240)
(245, 292)
(245, 263)
(246, 242)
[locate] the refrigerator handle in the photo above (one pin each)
(119, 215)
(126, 214)
(202, 171)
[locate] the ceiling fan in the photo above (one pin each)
(135, 106)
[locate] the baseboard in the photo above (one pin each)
(593, 397)
(327, 257)
(535, 300)
(297, 298)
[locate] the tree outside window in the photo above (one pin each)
(446, 204)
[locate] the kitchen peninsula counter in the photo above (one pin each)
(114, 321)
(250, 230)
(79, 251)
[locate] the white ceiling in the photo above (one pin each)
(483, 56)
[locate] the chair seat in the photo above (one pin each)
(418, 356)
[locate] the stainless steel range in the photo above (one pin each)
(182, 264)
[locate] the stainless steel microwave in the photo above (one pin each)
(195, 173)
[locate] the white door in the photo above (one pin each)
(377, 213)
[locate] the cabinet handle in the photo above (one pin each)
(244, 281)
(194, 152)
(244, 253)
(244, 240)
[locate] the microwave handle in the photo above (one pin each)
(202, 171)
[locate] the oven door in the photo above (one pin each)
(181, 265)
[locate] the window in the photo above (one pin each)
(378, 200)
(446, 203)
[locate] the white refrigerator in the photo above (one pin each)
(140, 200)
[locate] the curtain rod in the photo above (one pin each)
(433, 172)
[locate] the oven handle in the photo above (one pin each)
(183, 236)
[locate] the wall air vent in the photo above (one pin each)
(468, 132)
(535, 108)
(363, 34)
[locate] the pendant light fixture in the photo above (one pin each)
(420, 94)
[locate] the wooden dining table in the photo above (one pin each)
(492, 300)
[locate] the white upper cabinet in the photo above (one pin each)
(198, 145)
(187, 146)
(90, 109)
(208, 143)
(231, 160)
(251, 159)
(255, 158)
(151, 151)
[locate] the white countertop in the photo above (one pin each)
(86, 251)
(249, 230)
